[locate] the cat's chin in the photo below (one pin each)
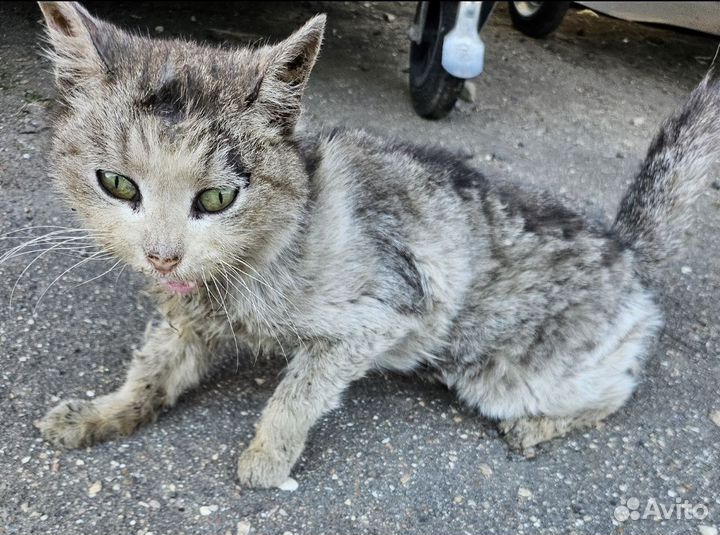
(179, 287)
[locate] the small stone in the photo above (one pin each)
(485, 470)
(686, 270)
(90, 394)
(389, 17)
(468, 92)
(154, 504)
(525, 493)
(159, 29)
(243, 527)
(25, 460)
(259, 381)
(457, 500)
(26, 156)
(79, 462)
(405, 478)
(193, 18)
(707, 530)
(289, 485)
(94, 489)
(715, 417)
(205, 510)
(637, 121)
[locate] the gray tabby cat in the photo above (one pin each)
(346, 252)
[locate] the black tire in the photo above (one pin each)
(537, 19)
(432, 90)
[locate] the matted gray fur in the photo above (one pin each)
(346, 253)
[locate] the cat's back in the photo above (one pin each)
(411, 182)
(424, 195)
(398, 183)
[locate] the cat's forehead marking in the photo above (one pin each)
(166, 98)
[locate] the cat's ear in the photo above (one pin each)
(295, 56)
(287, 72)
(80, 43)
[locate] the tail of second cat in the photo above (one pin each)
(654, 212)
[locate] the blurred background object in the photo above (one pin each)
(434, 90)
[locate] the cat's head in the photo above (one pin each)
(179, 156)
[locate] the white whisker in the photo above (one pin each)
(12, 293)
(261, 316)
(237, 272)
(61, 276)
(99, 276)
(230, 324)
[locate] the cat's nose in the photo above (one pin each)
(162, 263)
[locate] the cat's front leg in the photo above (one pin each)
(171, 361)
(311, 387)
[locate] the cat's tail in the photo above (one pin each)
(654, 212)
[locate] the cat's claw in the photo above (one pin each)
(262, 468)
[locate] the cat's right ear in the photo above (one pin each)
(285, 73)
(80, 43)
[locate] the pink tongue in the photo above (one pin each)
(179, 287)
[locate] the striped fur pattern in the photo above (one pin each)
(347, 253)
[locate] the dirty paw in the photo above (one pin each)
(262, 468)
(73, 424)
(522, 435)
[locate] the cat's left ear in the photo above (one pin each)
(80, 43)
(287, 73)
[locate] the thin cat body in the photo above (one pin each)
(344, 252)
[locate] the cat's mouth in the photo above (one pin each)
(179, 287)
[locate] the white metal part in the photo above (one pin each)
(463, 51)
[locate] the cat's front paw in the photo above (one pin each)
(75, 423)
(262, 468)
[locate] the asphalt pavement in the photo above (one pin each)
(573, 113)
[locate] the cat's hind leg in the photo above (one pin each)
(170, 362)
(522, 434)
(552, 393)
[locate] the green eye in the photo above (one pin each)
(118, 186)
(216, 199)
